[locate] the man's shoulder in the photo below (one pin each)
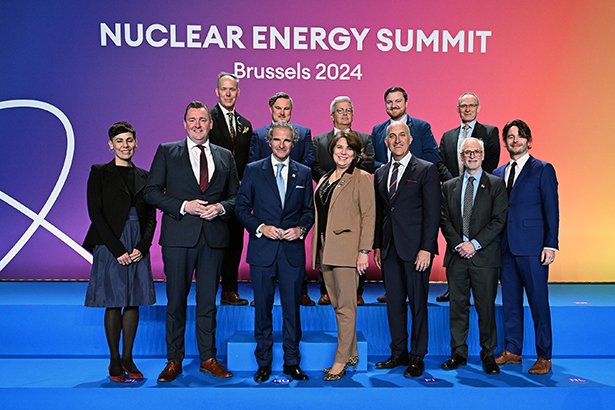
(301, 168)
(173, 145)
(363, 136)
(221, 150)
(323, 137)
(452, 133)
(301, 130)
(262, 131)
(418, 123)
(378, 129)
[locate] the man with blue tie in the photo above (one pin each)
(529, 242)
(275, 205)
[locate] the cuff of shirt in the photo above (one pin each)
(477, 246)
(182, 210)
(258, 232)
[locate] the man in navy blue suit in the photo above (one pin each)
(529, 242)
(275, 205)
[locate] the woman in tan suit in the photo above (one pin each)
(343, 236)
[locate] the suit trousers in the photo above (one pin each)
(290, 279)
(179, 265)
(342, 283)
(519, 273)
(462, 276)
(402, 281)
(323, 286)
(232, 256)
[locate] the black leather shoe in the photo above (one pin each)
(262, 374)
(295, 372)
(454, 362)
(415, 369)
(392, 362)
(490, 366)
(445, 297)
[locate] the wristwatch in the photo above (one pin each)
(303, 232)
(364, 251)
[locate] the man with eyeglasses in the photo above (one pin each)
(474, 208)
(342, 113)
(451, 165)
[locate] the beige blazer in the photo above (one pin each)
(351, 220)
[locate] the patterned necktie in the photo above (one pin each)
(467, 206)
(463, 137)
(511, 177)
(393, 184)
(279, 179)
(203, 169)
(231, 128)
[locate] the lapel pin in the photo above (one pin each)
(293, 175)
(482, 186)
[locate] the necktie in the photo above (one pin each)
(464, 135)
(511, 177)
(467, 206)
(279, 179)
(203, 170)
(393, 184)
(231, 128)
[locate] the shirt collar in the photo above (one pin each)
(476, 176)
(192, 144)
(472, 124)
(405, 160)
(521, 161)
(224, 110)
(274, 162)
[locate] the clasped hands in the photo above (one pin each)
(128, 258)
(203, 209)
(279, 234)
(466, 250)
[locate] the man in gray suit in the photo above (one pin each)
(474, 208)
(342, 114)
(194, 183)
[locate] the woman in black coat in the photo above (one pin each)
(120, 237)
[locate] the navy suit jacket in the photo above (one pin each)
(412, 219)
(258, 202)
(171, 182)
(302, 151)
(424, 145)
(533, 213)
(221, 136)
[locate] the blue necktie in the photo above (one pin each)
(280, 181)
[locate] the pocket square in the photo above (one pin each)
(299, 186)
(410, 181)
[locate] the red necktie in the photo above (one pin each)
(204, 171)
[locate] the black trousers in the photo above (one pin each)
(232, 256)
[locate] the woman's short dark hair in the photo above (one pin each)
(121, 127)
(353, 140)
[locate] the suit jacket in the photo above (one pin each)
(412, 219)
(171, 182)
(323, 162)
(258, 202)
(423, 145)
(108, 206)
(449, 164)
(533, 213)
(221, 136)
(302, 151)
(350, 221)
(486, 224)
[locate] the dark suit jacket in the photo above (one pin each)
(221, 136)
(302, 151)
(486, 224)
(423, 145)
(108, 206)
(323, 162)
(533, 213)
(449, 167)
(171, 182)
(258, 203)
(412, 219)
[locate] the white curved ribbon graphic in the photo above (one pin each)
(38, 219)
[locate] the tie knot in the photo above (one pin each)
(466, 126)
(396, 165)
(279, 166)
(471, 180)
(229, 115)
(514, 164)
(201, 147)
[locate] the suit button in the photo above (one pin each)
(392, 209)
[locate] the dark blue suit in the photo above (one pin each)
(532, 224)
(302, 152)
(258, 203)
(424, 145)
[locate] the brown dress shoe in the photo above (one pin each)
(508, 358)
(306, 301)
(214, 367)
(232, 298)
(170, 371)
(360, 301)
(324, 300)
(382, 299)
(542, 366)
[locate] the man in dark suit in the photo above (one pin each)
(473, 215)
(529, 242)
(451, 165)
(342, 113)
(281, 108)
(233, 132)
(407, 219)
(194, 183)
(275, 204)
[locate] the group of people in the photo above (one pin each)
(498, 223)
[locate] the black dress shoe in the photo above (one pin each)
(392, 362)
(454, 362)
(415, 369)
(490, 366)
(295, 372)
(262, 374)
(445, 297)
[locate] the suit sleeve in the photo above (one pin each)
(432, 197)
(367, 161)
(307, 216)
(254, 148)
(379, 210)
(367, 207)
(550, 206)
(308, 149)
(378, 162)
(499, 210)
(147, 236)
(317, 171)
(97, 216)
(492, 150)
(445, 173)
(155, 190)
(430, 146)
(231, 189)
(451, 235)
(245, 202)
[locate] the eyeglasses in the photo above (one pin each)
(343, 110)
(465, 106)
(469, 152)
